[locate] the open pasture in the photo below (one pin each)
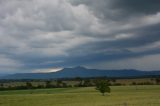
(146, 95)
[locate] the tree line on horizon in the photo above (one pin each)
(79, 82)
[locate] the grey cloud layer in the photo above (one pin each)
(37, 34)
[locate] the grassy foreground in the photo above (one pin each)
(119, 96)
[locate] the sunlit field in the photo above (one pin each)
(119, 96)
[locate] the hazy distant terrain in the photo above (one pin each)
(83, 72)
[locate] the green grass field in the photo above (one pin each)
(119, 96)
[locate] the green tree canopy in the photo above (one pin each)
(103, 87)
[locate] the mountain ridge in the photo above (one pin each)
(82, 72)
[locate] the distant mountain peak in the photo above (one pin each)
(80, 71)
(79, 67)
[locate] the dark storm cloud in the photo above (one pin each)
(141, 37)
(120, 9)
(38, 34)
(138, 6)
(93, 58)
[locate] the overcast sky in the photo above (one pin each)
(37, 35)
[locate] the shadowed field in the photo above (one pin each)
(120, 96)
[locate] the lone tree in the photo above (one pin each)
(29, 85)
(48, 84)
(103, 87)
